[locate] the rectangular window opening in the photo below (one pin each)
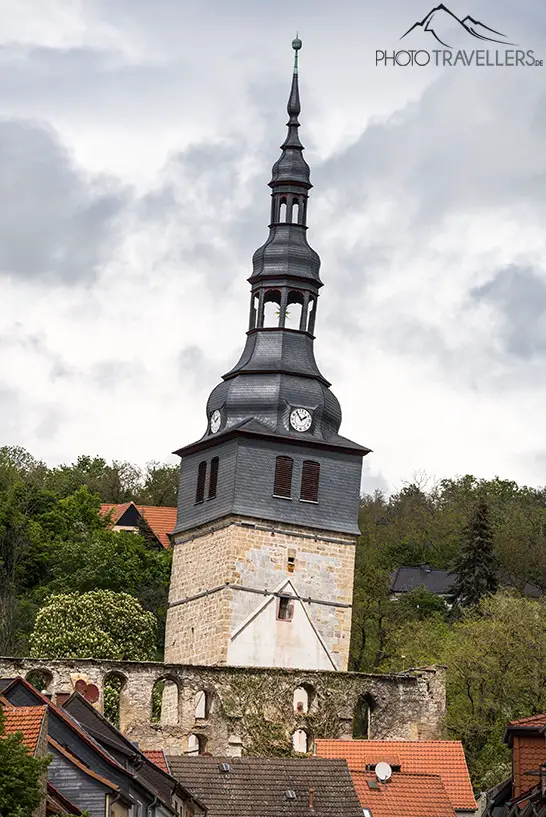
(291, 561)
(201, 479)
(310, 476)
(285, 609)
(283, 477)
(213, 477)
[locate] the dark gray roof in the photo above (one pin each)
(405, 579)
(112, 740)
(256, 787)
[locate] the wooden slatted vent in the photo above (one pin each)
(213, 478)
(283, 476)
(310, 481)
(201, 479)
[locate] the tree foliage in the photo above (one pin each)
(97, 624)
(53, 539)
(20, 776)
(429, 523)
(476, 566)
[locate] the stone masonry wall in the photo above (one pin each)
(250, 710)
(255, 555)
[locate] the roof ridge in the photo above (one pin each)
(72, 723)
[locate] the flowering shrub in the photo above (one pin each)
(97, 624)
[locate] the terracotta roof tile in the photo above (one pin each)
(72, 723)
(117, 510)
(410, 795)
(532, 720)
(157, 756)
(160, 519)
(25, 719)
(438, 757)
(256, 786)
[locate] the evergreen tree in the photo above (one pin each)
(476, 566)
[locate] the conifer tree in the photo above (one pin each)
(476, 566)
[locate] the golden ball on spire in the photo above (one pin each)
(296, 44)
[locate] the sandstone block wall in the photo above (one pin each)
(252, 554)
(250, 710)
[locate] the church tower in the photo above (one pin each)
(268, 501)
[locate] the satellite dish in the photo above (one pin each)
(383, 772)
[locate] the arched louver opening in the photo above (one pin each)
(310, 476)
(283, 477)
(271, 309)
(213, 477)
(201, 479)
(294, 309)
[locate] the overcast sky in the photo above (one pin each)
(136, 143)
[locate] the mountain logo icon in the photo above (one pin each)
(440, 19)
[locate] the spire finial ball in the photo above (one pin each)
(296, 44)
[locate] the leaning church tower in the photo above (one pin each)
(264, 542)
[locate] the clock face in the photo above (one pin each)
(300, 419)
(215, 421)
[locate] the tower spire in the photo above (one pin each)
(294, 107)
(286, 252)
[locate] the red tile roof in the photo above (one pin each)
(117, 510)
(437, 757)
(405, 795)
(70, 722)
(532, 720)
(161, 520)
(25, 719)
(157, 756)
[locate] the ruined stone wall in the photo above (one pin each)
(255, 556)
(250, 710)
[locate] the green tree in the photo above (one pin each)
(476, 566)
(98, 624)
(20, 776)
(416, 643)
(419, 604)
(496, 657)
(117, 482)
(160, 485)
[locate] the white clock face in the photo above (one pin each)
(300, 419)
(215, 421)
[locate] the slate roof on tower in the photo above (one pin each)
(254, 406)
(277, 367)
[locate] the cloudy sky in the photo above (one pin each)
(136, 143)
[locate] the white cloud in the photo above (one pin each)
(142, 194)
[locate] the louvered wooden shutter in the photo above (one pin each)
(283, 476)
(310, 481)
(213, 478)
(201, 479)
